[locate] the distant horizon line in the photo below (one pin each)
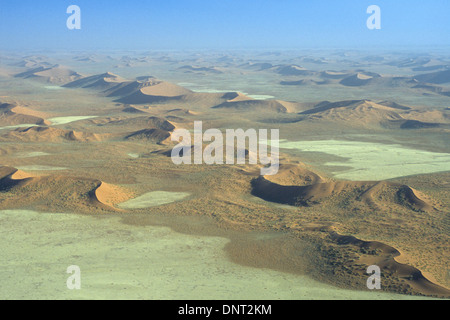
(387, 48)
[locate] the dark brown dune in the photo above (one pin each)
(182, 112)
(195, 69)
(256, 66)
(303, 82)
(150, 135)
(413, 125)
(439, 77)
(359, 79)
(254, 105)
(294, 70)
(55, 74)
(96, 82)
(145, 122)
(158, 92)
(130, 87)
(134, 110)
(394, 105)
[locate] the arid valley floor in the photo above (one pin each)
(86, 176)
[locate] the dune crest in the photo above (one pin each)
(111, 195)
(408, 279)
(310, 190)
(49, 134)
(13, 114)
(55, 74)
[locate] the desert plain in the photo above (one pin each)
(87, 178)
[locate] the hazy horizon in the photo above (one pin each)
(231, 25)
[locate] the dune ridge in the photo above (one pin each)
(62, 191)
(111, 195)
(55, 74)
(385, 114)
(13, 114)
(349, 193)
(406, 278)
(49, 134)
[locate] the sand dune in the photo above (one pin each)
(158, 136)
(254, 105)
(333, 74)
(145, 122)
(111, 195)
(394, 105)
(439, 77)
(97, 82)
(11, 114)
(303, 82)
(294, 174)
(293, 70)
(386, 114)
(359, 79)
(359, 112)
(13, 174)
(61, 191)
(133, 110)
(33, 62)
(55, 75)
(235, 97)
(256, 66)
(155, 92)
(433, 88)
(129, 87)
(181, 112)
(413, 124)
(180, 151)
(203, 70)
(348, 193)
(410, 279)
(48, 134)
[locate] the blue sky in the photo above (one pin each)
(224, 24)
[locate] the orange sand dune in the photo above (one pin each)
(14, 174)
(111, 195)
(60, 191)
(155, 93)
(48, 134)
(349, 193)
(385, 114)
(12, 114)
